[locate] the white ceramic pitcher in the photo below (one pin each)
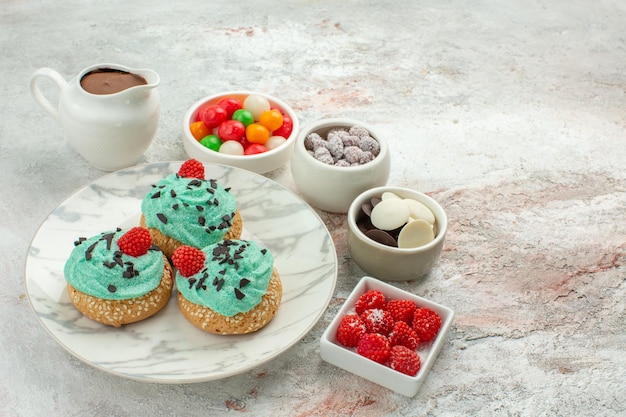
(111, 131)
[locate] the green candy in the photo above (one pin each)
(244, 116)
(212, 142)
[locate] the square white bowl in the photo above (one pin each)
(348, 359)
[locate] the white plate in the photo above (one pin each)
(166, 347)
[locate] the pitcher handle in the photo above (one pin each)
(38, 95)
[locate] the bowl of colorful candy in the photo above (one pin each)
(396, 233)
(334, 160)
(244, 129)
(386, 335)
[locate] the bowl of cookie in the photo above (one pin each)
(334, 160)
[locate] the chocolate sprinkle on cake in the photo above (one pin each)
(156, 195)
(108, 238)
(191, 282)
(201, 285)
(162, 217)
(112, 288)
(117, 257)
(239, 294)
(89, 250)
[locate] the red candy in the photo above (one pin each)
(230, 104)
(222, 120)
(213, 116)
(231, 130)
(388, 331)
(285, 129)
(254, 148)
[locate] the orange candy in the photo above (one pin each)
(199, 130)
(271, 119)
(257, 133)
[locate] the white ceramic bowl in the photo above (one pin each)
(331, 188)
(348, 359)
(391, 263)
(259, 163)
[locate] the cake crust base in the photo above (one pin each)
(119, 312)
(241, 323)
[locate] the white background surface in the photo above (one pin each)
(510, 113)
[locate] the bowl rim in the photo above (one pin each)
(439, 212)
(342, 122)
(289, 142)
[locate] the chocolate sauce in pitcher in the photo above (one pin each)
(110, 81)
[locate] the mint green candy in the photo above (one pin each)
(212, 142)
(244, 116)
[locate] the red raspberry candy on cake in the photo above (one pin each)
(135, 242)
(377, 321)
(403, 335)
(192, 168)
(426, 324)
(401, 310)
(370, 299)
(374, 346)
(350, 330)
(188, 260)
(405, 360)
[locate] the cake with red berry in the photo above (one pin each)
(230, 287)
(184, 208)
(118, 277)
